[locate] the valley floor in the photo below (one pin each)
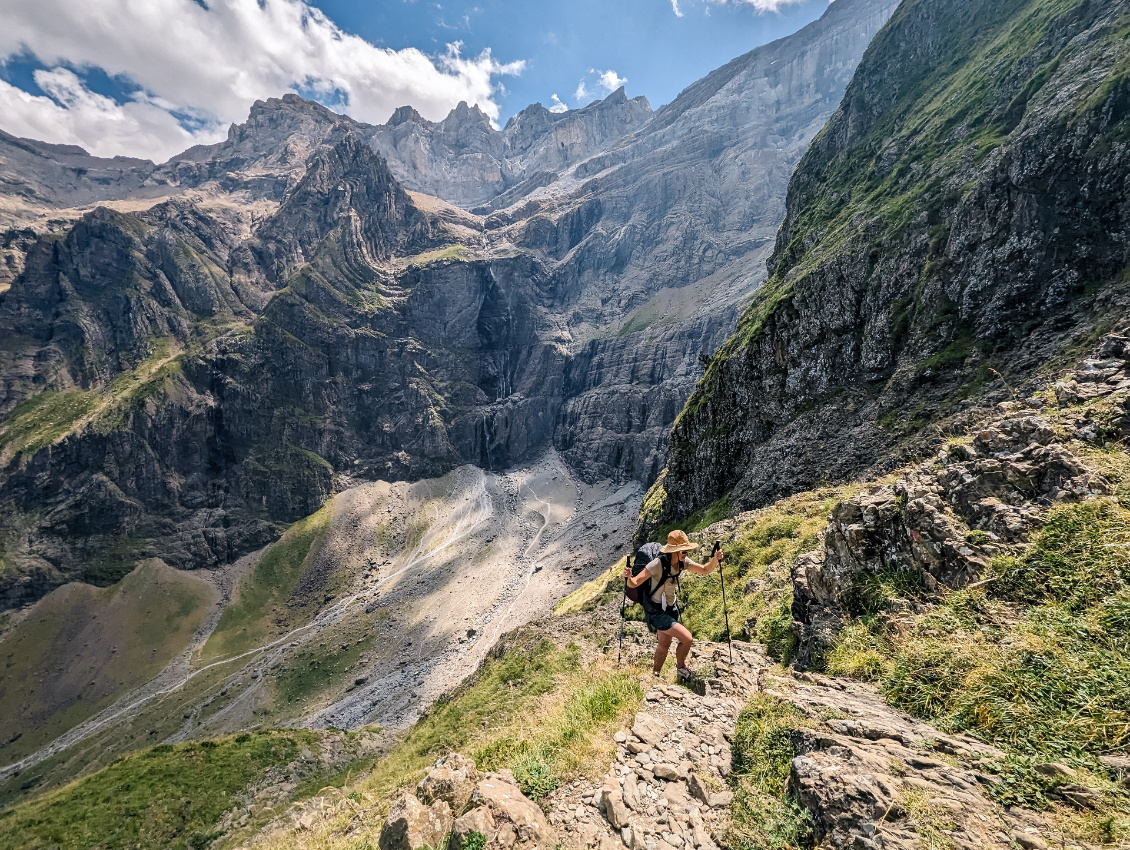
(363, 614)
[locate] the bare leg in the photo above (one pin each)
(661, 651)
(677, 632)
(683, 635)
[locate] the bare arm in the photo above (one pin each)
(704, 569)
(635, 580)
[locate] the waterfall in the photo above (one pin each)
(486, 442)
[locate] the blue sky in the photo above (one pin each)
(152, 77)
(643, 41)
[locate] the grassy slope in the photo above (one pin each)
(47, 417)
(166, 796)
(259, 610)
(81, 646)
(543, 710)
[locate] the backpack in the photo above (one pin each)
(646, 554)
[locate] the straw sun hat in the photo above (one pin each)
(677, 542)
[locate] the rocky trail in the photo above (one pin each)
(867, 775)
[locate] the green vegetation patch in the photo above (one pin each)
(259, 611)
(1037, 661)
(543, 756)
(80, 647)
(1052, 678)
(44, 419)
(450, 252)
(166, 796)
(763, 814)
(311, 671)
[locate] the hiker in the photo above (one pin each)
(660, 600)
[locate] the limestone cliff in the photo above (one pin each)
(959, 221)
(184, 381)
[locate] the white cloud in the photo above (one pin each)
(610, 80)
(214, 61)
(675, 8)
(75, 115)
(606, 81)
(557, 105)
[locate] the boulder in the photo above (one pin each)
(520, 822)
(612, 801)
(452, 780)
(631, 792)
(411, 825)
(649, 728)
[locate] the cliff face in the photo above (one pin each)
(183, 382)
(960, 221)
(664, 235)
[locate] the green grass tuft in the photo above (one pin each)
(764, 816)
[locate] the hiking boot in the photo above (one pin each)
(684, 673)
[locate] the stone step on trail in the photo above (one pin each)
(666, 788)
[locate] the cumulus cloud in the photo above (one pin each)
(603, 81)
(73, 114)
(610, 81)
(558, 105)
(211, 61)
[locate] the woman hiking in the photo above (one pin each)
(662, 603)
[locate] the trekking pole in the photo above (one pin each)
(722, 576)
(623, 605)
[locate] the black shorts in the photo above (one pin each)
(661, 621)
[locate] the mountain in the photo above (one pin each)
(464, 160)
(183, 381)
(911, 449)
(956, 229)
(39, 175)
(337, 399)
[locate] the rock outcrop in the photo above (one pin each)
(980, 498)
(452, 779)
(411, 825)
(492, 806)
